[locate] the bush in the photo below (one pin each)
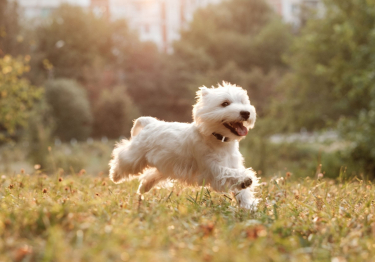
(114, 113)
(332, 158)
(17, 96)
(70, 109)
(39, 134)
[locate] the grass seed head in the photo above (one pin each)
(255, 232)
(207, 229)
(82, 172)
(22, 252)
(319, 203)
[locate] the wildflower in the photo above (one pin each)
(22, 171)
(37, 166)
(288, 175)
(22, 252)
(280, 181)
(296, 194)
(320, 176)
(44, 190)
(104, 183)
(21, 184)
(11, 186)
(207, 229)
(66, 188)
(255, 232)
(82, 172)
(60, 179)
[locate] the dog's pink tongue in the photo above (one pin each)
(240, 129)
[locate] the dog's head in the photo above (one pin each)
(225, 110)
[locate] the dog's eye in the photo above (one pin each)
(225, 104)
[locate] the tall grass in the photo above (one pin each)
(84, 218)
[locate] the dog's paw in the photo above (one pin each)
(245, 184)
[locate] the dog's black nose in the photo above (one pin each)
(245, 114)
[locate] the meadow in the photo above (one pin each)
(85, 217)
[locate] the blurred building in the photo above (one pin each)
(43, 8)
(101, 8)
(291, 10)
(159, 21)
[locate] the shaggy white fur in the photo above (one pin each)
(203, 151)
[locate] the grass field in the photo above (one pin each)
(85, 218)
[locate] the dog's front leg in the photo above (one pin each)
(233, 178)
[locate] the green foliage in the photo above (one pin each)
(114, 114)
(333, 76)
(69, 108)
(17, 95)
(91, 219)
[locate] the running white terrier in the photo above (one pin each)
(205, 151)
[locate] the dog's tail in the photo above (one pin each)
(140, 123)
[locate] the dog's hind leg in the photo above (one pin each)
(127, 161)
(148, 179)
(140, 123)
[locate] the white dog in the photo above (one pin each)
(205, 151)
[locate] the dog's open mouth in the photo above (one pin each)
(237, 128)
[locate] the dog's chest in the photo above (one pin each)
(230, 158)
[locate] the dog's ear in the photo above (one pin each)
(202, 91)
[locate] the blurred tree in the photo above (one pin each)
(17, 95)
(242, 38)
(12, 40)
(70, 109)
(241, 41)
(148, 77)
(333, 76)
(235, 37)
(72, 41)
(114, 114)
(78, 45)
